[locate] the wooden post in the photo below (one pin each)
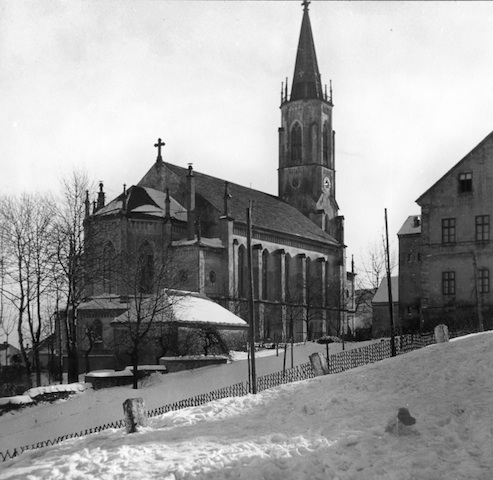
(284, 361)
(389, 287)
(134, 414)
(292, 352)
(251, 302)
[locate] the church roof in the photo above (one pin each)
(146, 201)
(306, 78)
(268, 212)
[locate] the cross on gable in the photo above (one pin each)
(159, 144)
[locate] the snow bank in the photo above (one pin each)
(17, 400)
(331, 427)
(70, 388)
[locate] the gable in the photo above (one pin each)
(481, 155)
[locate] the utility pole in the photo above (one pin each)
(389, 287)
(251, 304)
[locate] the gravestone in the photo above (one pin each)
(441, 333)
(319, 364)
(134, 414)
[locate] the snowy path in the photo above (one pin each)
(330, 427)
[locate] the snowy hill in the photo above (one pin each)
(331, 427)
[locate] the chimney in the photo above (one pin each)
(417, 222)
(190, 204)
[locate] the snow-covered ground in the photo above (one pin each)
(331, 427)
(94, 408)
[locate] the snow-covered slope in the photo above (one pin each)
(94, 408)
(331, 427)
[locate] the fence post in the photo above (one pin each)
(318, 364)
(134, 414)
(441, 333)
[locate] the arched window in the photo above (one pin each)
(145, 269)
(265, 259)
(109, 268)
(296, 144)
(287, 276)
(242, 272)
(325, 140)
(315, 149)
(96, 330)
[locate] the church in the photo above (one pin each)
(201, 223)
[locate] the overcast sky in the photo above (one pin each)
(93, 84)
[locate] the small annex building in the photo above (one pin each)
(381, 310)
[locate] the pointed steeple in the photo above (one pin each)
(306, 78)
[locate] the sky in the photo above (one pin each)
(339, 427)
(93, 85)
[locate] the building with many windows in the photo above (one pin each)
(446, 253)
(299, 268)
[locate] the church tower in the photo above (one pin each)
(306, 140)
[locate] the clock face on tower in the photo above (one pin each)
(326, 184)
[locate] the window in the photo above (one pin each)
(448, 283)
(419, 257)
(465, 182)
(146, 269)
(484, 280)
(482, 228)
(448, 230)
(296, 144)
(325, 139)
(409, 257)
(265, 255)
(96, 331)
(108, 268)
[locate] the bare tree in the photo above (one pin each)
(146, 283)
(71, 260)
(26, 228)
(371, 268)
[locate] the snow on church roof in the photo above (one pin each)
(189, 309)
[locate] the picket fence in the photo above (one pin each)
(337, 363)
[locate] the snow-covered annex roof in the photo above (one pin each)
(189, 309)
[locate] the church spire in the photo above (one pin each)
(306, 78)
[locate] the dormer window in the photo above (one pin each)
(465, 182)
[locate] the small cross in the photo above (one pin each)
(159, 144)
(305, 4)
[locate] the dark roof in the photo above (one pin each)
(306, 78)
(268, 212)
(411, 226)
